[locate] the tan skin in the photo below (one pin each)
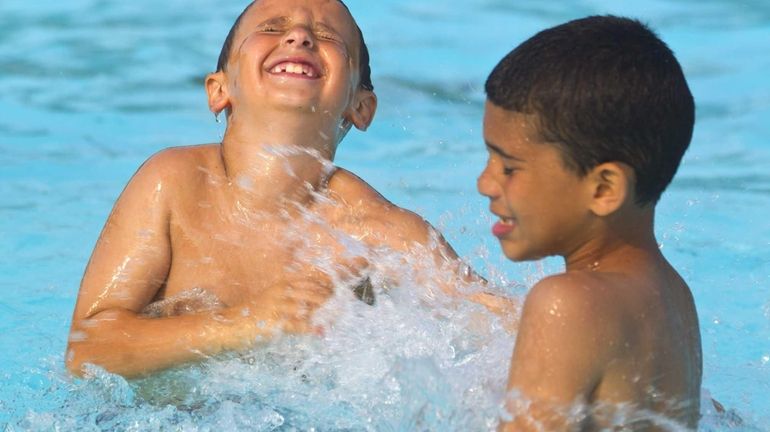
(619, 326)
(237, 220)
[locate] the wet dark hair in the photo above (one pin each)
(365, 70)
(602, 89)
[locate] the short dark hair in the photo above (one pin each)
(602, 88)
(365, 70)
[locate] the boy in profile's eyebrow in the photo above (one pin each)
(586, 124)
(211, 247)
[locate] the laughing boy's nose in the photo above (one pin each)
(299, 35)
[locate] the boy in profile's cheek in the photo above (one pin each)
(585, 125)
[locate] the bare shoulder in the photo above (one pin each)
(564, 339)
(172, 170)
(354, 190)
(174, 161)
(374, 210)
(576, 289)
(576, 302)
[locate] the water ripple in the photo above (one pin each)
(757, 184)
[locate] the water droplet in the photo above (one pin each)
(244, 182)
(77, 336)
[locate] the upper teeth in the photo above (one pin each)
(506, 221)
(294, 68)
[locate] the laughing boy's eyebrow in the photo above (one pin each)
(277, 21)
(499, 151)
(321, 26)
(280, 23)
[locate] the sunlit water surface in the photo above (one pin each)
(93, 87)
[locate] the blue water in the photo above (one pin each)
(90, 88)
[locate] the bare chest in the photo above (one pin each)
(240, 258)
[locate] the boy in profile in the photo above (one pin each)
(210, 248)
(585, 125)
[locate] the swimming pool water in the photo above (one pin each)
(90, 88)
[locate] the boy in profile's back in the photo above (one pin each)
(211, 247)
(586, 124)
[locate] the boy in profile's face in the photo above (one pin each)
(538, 200)
(585, 125)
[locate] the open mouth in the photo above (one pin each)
(299, 69)
(504, 226)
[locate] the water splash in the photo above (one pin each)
(414, 360)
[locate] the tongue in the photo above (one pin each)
(500, 229)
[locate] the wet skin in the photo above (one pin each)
(619, 326)
(249, 220)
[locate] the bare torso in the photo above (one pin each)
(259, 236)
(226, 263)
(239, 254)
(622, 338)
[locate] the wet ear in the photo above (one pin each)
(611, 186)
(216, 89)
(362, 109)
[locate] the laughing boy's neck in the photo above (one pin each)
(272, 162)
(311, 131)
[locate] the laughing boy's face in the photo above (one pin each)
(297, 54)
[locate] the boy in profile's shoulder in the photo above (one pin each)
(586, 124)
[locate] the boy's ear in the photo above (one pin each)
(216, 89)
(362, 109)
(612, 185)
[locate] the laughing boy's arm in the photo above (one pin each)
(128, 267)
